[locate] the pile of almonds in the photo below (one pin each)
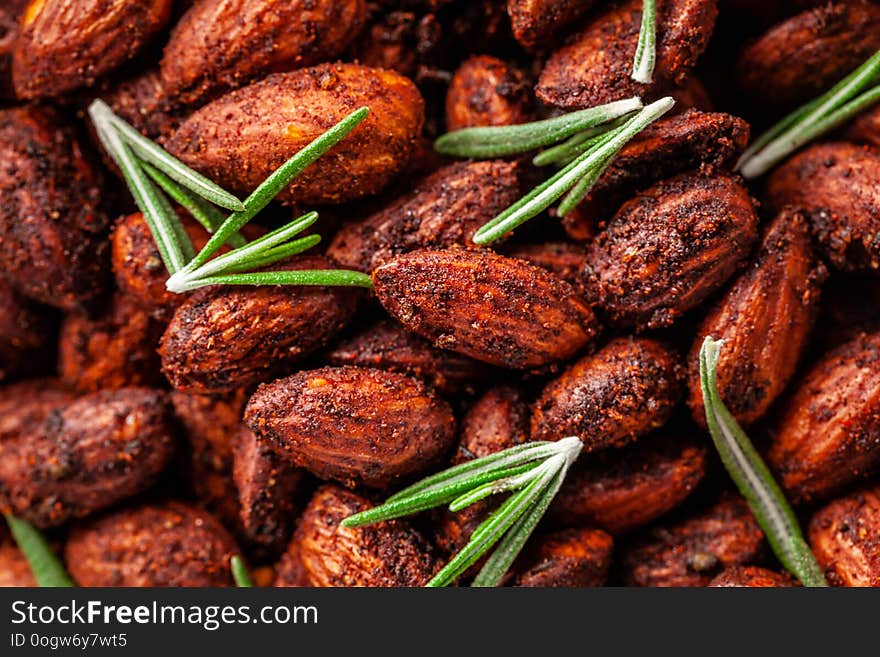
(154, 435)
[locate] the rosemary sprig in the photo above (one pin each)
(500, 141)
(532, 472)
(646, 50)
(576, 178)
(848, 98)
(753, 477)
(240, 574)
(45, 566)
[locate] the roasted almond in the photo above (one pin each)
(805, 55)
(765, 320)
(610, 398)
(502, 311)
(357, 425)
(386, 345)
(845, 536)
(52, 246)
(323, 553)
(211, 424)
(156, 545)
(219, 45)
(622, 489)
(268, 487)
(536, 22)
(226, 337)
(838, 186)
(563, 259)
(692, 551)
(444, 209)
(144, 102)
(573, 558)
(239, 139)
(10, 25)
(669, 248)
(14, 568)
(68, 44)
(866, 128)
(96, 451)
(828, 432)
(594, 67)
(114, 350)
(486, 91)
(751, 577)
(25, 327)
(691, 140)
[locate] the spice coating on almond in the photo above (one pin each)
(828, 431)
(486, 91)
(502, 311)
(765, 320)
(669, 248)
(573, 558)
(838, 186)
(324, 553)
(242, 137)
(156, 545)
(224, 338)
(357, 425)
(612, 397)
(444, 209)
(751, 577)
(594, 67)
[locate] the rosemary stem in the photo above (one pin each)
(317, 277)
(753, 477)
(646, 50)
(240, 574)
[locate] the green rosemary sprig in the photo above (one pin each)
(577, 177)
(753, 477)
(47, 569)
(532, 472)
(848, 98)
(151, 173)
(240, 574)
(501, 141)
(646, 50)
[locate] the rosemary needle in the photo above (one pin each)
(753, 478)
(45, 566)
(646, 50)
(499, 141)
(240, 574)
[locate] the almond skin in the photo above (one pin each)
(572, 558)
(49, 196)
(612, 397)
(669, 248)
(765, 320)
(220, 44)
(751, 577)
(536, 22)
(239, 139)
(144, 102)
(502, 311)
(807, 54)
(14, 568)
(690, 140)
(486, 91)
(323, 553)
(837, 185)
(211, 424)
(691, 551)
(828, 432)
(563, 259)
(230, 337)
(866, 128)
(268, 487)
(622, 489)
(10, 25)
(444, 209)
(95, 452)
(114, 350)
(594, 67)
(68, 44)
(386, 345)
(845, 536)
(25, 327)
(357, 425)
(156, 545)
